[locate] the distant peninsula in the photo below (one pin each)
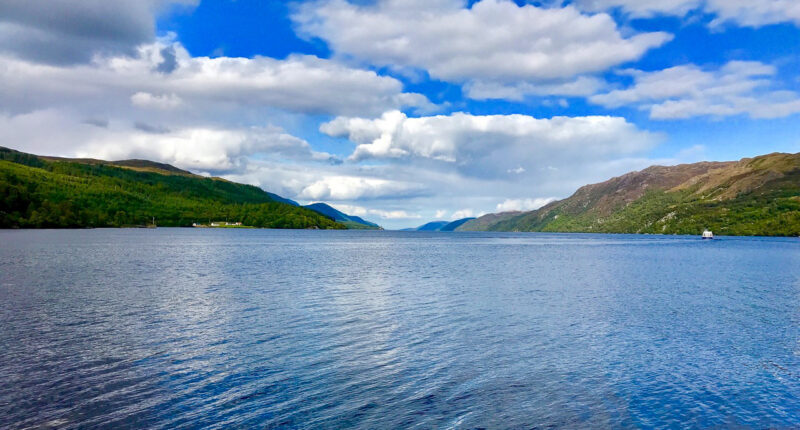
(752, 197)
(440, 225)
(50, 192)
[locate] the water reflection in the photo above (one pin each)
(173, 328)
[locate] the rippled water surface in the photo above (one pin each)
(182, 328)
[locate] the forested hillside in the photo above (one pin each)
(40, 192)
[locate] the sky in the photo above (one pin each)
(403, 111)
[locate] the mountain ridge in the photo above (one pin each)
(440, 225)
(55, 192)
(752, 196)
(351, 221)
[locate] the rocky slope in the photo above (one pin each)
(753, 196)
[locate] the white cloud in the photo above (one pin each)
(156, 101)
(396, 214)
(134, 96)
(749, 13)
(641, 8)
(755, 13)
(493, 145)
(383, 214)
(206, 115)
(494, 46)
(196, 148)
(348, 209)
(686, 91)
(358, 187)
(299, 83)
(581, 87)
(523, 204)
(465, 213)
(466, 161)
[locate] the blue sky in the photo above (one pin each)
(403, 111)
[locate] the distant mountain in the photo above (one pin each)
(440, 225)
(61, 192)
(753, 196)
(134, 164)
(278, 198)
(351, 221)
(484, 222)
(455, 224)
(432, 226)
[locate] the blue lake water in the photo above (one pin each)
(182, 328)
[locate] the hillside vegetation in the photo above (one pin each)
(754, 196)
(37, 192)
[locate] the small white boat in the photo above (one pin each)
(708, 234)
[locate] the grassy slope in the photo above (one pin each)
(484, 222)
(759, 196)
(36, 192)
(353, 225)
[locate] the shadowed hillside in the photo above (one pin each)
(350, 221)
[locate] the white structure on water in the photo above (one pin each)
(708, 234)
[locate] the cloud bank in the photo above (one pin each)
(299, 83)
(74, 31)
(491, 46)
(491, 146)
(746, 13)
(738, 87)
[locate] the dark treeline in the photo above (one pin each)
(40, 193)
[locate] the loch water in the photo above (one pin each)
(225, 328)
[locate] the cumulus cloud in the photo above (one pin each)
(510, 205)
(351, 189)
(299, 83)
(641, 8)
(465, 213)
(747, 13)
(73, 31)
(581, 87)
(755, 13)
(97, 74)
(381, 213)
(492, 45)
(492, 145)
(202, 148)
(358, 187)
(205, 149)
(156, 101)
(208, 115)
(397, 214)
(466, 162)
(738, 87)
